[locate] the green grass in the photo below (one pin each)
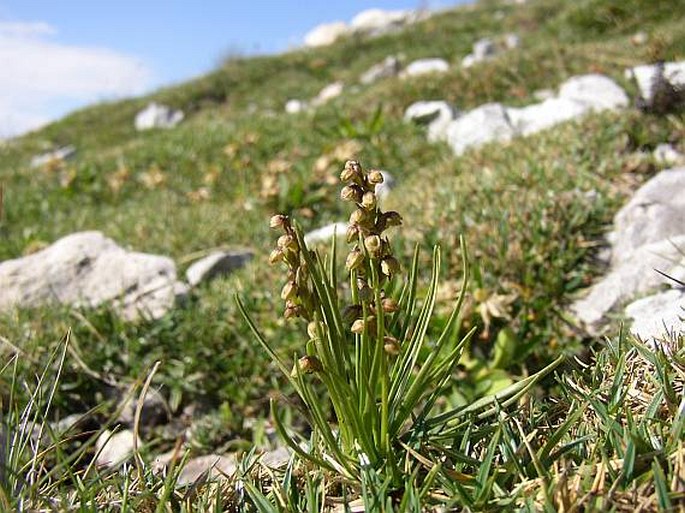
(531, 212)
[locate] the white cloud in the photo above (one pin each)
(39, 75)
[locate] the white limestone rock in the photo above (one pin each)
(644, 74)
(60, 154)
(425, 66)
(667, 155)
(437, 115)
(655, 212)
(294, 106)
(157, 116)
(328, 93)
(379, 21)
(88, 269)
(633, 276)
(596, 91)
(540, 116)
(482, 125)
(219, 263)
(325, 233)
(115, 449)
(213, 466)
(325, 34)
(658, 316)
(389, 67)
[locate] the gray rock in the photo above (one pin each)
(655, 212)
(482, 125)
(512, 41)
(328, 93)
(325, 233)
(213, 466)
(325, 34)
(674, 72)
(658, 316)
(115, 449)
(483, 49)
(295, 106)
(633, 276)
(379, 21)
(276, 458)
(157, 116)
(597, 92)
(389, 67)
(154, 410)
(436, 114)
(88, 269)
(667, 155)
(219, 263)
(60, 154)
(540, 116)
(543, 94)
(425, 66)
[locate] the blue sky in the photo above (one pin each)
(63, 54)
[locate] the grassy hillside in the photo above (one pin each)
(532, 213)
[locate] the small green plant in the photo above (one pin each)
(367, 343)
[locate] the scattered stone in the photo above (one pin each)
(667, 155)
(639, 38)
(647, 77)
(379, 21)
(155, 410)
(325, 233)
(325, 34)
(436, 114)
(213, 466)
(295, 106)
(511, 41)
(88, 269)
(328, 93)
(389, 67)
(633, 276)
(484, 48)
(219, 263)
(277, 458)
(658, 316)
(540, 116)
(115, 449)
(479, 126)
(595, 91)
(157, 116)
(656, 212)
(59, 155)
(425, 66)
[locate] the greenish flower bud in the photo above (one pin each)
(391, 345)
(375, 177)
(311, 329)
(287, 242)
(276, 256)
(389, 305)
(351, 193)
(292, 310)
(352, 233)
(289, 291)
(352, 172)
(354, 260)
(365, 292)
(390, 266)
(309, 364)
(373, 245)
(358, 327)
(278, 221)
(369, 200)
(391, 218)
